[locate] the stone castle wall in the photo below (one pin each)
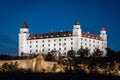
(36, 64)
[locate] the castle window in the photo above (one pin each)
(93, 45)
(98, 46)
(36, 45)
(59, 44)
(42, 40)
(98, 42)
(59, 48)
(36, 50)
(48, 44)
(59, 39)
(30, 51)
(102, 47)
(30, 46)
(65, 48)
(48, 49)
(43, 50)
(30, 42)
(43, 45)
(85, 39)
(85, 44)
(36, 41)
(89, 40)
(81, 43)
(54, 40)
(93, 41)
(89, 44)
(71, 38)
(64, 39)
(81, 39)
(64, 43)
(54, 44)
(48, 40)
(71, 43)
(54, 48)
(71, 48)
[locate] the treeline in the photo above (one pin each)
(9, 57)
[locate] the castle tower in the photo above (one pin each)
(23, 35)
(77, 35)
(77, 29)
(103, 34)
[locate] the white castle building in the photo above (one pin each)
(60, 41)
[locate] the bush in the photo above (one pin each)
(9, 67)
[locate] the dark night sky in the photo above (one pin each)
(44, 16)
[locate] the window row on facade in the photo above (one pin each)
(50, 49)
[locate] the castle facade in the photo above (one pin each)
(61, 41)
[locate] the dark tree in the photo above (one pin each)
(111, 53)
(71, 53)
(49, 57)
(83, 52)
(97, 53)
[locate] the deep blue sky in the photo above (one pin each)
(44, 16)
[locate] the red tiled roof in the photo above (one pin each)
(103, 29)
(77, 23)
(89, 35)
(62, 34)
(24, 25)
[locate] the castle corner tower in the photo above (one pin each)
(23, 36)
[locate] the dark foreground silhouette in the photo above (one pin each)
(69, 75)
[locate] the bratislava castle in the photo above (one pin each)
(60, 41)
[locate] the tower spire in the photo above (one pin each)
(77, 23)
(24, 25)
(103, 29)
